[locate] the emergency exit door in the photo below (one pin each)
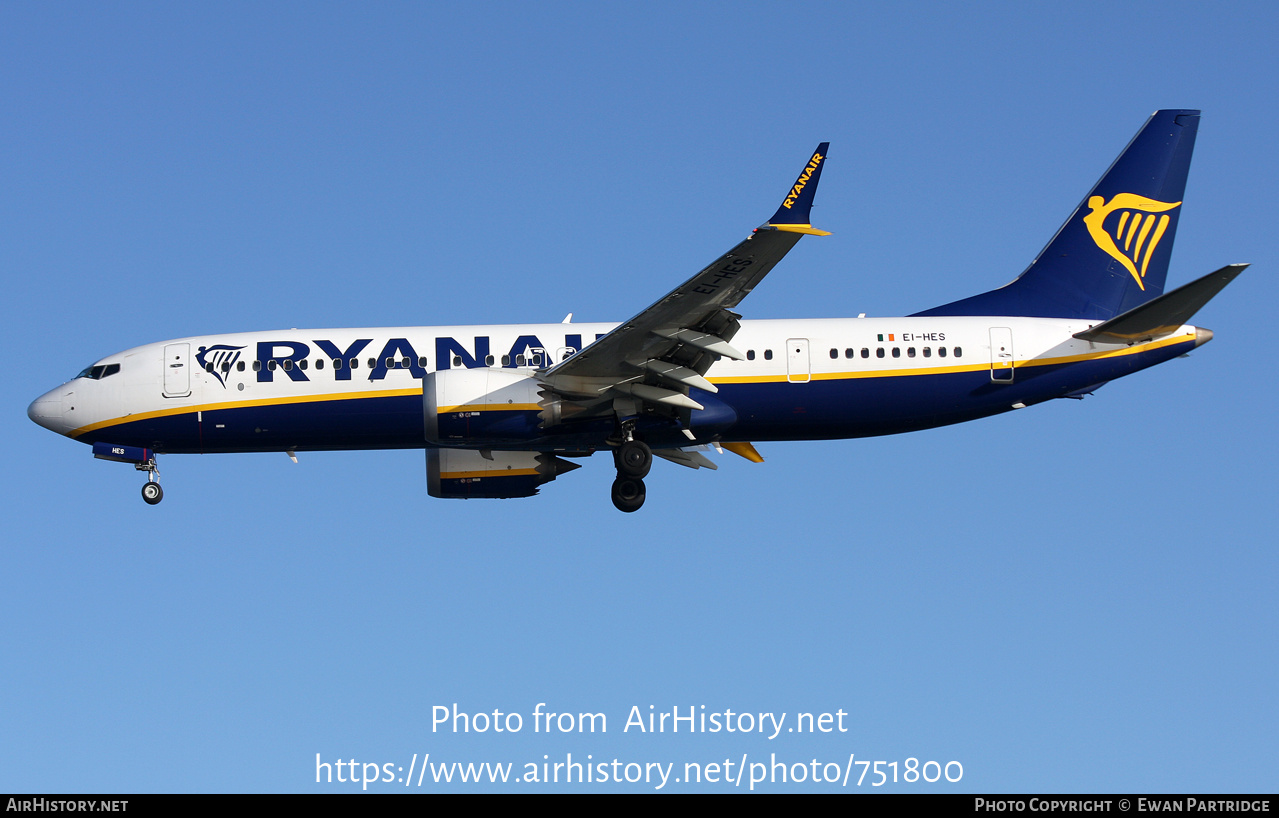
(797, 366)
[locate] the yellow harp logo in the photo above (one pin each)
(1134, 236)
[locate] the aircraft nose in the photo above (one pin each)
(46, 411)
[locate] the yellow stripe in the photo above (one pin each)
(806, 229)
(819, 376)
(463, 475)
(211, 407)
(487, 407)
(978, 367)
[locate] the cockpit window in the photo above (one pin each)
(96, 373)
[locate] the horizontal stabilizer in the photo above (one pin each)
(1162, 315)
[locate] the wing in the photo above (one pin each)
(657, 356)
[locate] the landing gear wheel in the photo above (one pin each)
(634, 459)
(628, 494)
(152, 493)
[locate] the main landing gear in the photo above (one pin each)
(151, 491)
(633, 460)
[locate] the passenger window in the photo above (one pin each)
(897, 352)
(302, 364)
(865, 352)
(355, 363)
(270, 365)
(257, 366)
(390, 363)
(941, 352)
(506, 360)
(959, 352)
(910, 352)
(422, 362)
(488, 360)
(239, 367)
(372, 363)
(879, 352)
(848, 353)
(319, 363)
(208, 367)
(834, 353)
(226, 367)
(928, 352)
(519, 360)
(750, 354)
(768, 355)
(337, 363)
(288, 364)
(457, 360)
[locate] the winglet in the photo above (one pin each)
(793, 215)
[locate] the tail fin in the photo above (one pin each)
(1112, 253)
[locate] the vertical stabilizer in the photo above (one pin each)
(1112, 253)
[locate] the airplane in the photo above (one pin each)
(502, 410)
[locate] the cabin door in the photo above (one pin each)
(177, 370)
(1001, 354)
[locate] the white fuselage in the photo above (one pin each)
(916, 372)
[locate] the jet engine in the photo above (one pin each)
(466, 473)
(476, 407)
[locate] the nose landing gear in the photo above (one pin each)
(143, 459)
(151, 491)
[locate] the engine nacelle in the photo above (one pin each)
(480, 406)
(466, 473)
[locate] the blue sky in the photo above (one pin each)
(1079, 597)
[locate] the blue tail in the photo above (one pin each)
(1112, 253)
